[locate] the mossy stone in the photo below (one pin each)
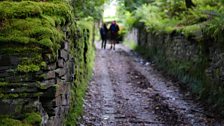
(33, 118)
(12, 122)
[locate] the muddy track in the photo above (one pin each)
(125, 91)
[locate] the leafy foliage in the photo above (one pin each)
(88, 8)
(134, 4)
(168, 16)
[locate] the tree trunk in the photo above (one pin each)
(189, 3)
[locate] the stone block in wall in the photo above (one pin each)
(49, 93)
(17, 107)
(51, 66)
(50, 75)
(5, 60)
(21, 89)
(65, 46)
(49, 106)
(8, 106)
(58, 100)
(67, 70)
(14, 60)
(4, 68)
(65, 77)
(62, 88)
(66, 109)
(63, 54)
(46, 84)
(58, 111)
(4, 74)
(55, 121)
(50, 122)
(49, 58)
(65, 100)
(60, 72)
(60, 81)
(132, 36)
(18, 77)
(47, 87)
(62, 100)
(61, 63)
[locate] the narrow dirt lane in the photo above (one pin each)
(127, 91)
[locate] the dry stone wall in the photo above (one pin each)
(196, 61)
(176, 47)
(46, 91)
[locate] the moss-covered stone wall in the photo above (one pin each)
(45, 59)
(84, 62)
(196, 60)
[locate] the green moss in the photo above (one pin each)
(8, 96)
(28, 68)
(13, 10)
(2, 84)
(10, 10)
(43, 64)
(60, 9)
(32, 63)
(87, 24)
(12, 122)
(33, 118)
(31, 30)
(18, 49)
(35, 23)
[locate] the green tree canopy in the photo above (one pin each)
(85, 8)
